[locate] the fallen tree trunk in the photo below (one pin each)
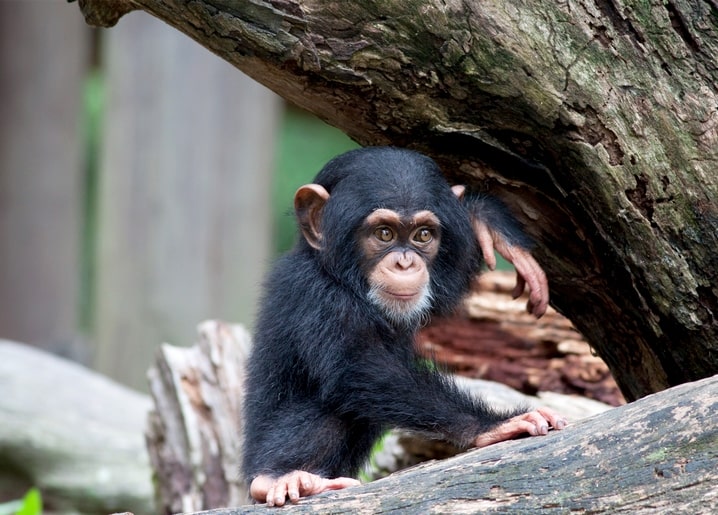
(656, 455)
(77, 436)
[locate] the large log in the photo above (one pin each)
(595, 121)
(77, 436)
(656, 455)
(72, 433)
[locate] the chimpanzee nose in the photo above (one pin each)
(405, 260)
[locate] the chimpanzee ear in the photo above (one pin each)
(459, 191)
(309, 200)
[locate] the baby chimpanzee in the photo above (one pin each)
(386, 243)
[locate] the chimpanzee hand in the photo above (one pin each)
(528, 271)
(295, 484)
(534, 423)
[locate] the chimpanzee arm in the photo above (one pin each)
(388, 389)
(497, 229)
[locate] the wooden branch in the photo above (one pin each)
(656, 455)
(193, 435)
(73, 433)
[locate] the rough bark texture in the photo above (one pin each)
(595, 120)
(193, 434)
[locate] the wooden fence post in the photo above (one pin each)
(44, 49)
(184, 227)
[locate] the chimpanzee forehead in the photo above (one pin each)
(384, 177)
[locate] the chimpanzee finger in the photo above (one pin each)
(301, 483)
(540, 424)
(296, 481)
(556, 420)
(526, 274)
(486, 242)
(528, 271)
(339, 483)
(277, 493)
(512, 428)
(533, 275)
(520, 286)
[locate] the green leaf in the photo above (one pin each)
(31, 503)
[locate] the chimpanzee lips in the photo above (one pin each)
(403, 296)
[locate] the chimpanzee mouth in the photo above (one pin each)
(404, 308)
(404, 297)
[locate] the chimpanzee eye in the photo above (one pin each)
(423, 235)
(384, 233)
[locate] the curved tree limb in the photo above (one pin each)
(597, 122)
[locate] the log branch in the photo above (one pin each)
(71, 432)
(193, 435)
(656, 455)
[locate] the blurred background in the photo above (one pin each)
(145, 185)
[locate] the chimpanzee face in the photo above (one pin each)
(385, 224)
(397, 252)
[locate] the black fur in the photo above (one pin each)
(328, 372)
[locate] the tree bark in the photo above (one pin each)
(596, 121)
(193, 434)
(656, 455)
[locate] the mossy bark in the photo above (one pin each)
(596, 121)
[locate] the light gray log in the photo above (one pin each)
(193, 434)
(73, 433)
